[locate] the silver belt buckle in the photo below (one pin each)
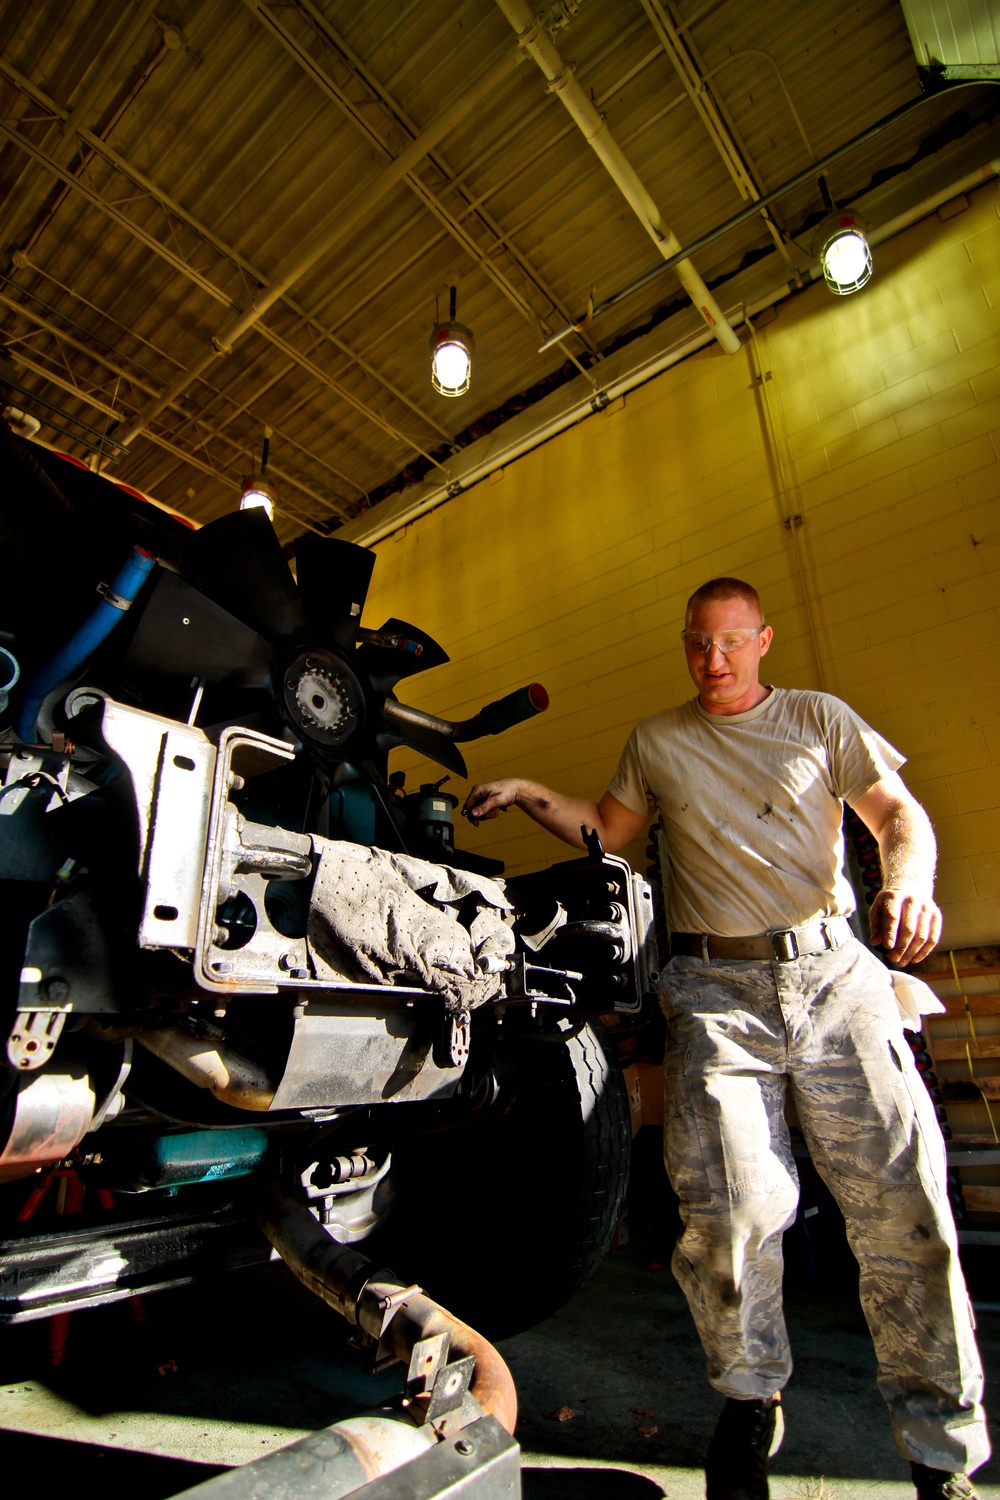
(785, 946)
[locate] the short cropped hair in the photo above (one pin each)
(726, 588)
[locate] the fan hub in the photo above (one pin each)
(323, 697)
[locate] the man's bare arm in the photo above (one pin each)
(615, 823)
(904, 916)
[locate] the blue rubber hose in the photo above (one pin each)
(126, 584)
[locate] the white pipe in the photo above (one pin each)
(965, 184)
(382, 520)
(362, 206)
(535, 40)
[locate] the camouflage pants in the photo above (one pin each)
(825, 1026)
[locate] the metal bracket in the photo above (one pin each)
(521, 985)
(435, 1388)
(451, 1049)
(33, 1037)
(426, 1359)
(449, 1391)
(592, 840)
(384, 1354)
(239, 969)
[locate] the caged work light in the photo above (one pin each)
(844, 252)
(452, 345)
(258, 492)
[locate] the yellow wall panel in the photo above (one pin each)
(878, 427)
(937, 408)
(936, 795)
(966, 363)
(955, 880)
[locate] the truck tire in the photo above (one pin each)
(503, 1220)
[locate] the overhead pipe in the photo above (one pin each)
(535, 40)
(807, 174)
(720, 126)
(347, 221)
(357, 113)
(362, 1292)
(502, 448)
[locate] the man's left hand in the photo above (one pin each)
(907, 923)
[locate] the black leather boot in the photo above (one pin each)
(940, 1484)
(745, 1438)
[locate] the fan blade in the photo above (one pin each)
(183, 634)
(429, 743)
(385, 667)
(333, 582)
(237, 561)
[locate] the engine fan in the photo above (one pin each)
(234, 618)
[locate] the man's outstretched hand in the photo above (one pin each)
(906, 922)
(492, 797)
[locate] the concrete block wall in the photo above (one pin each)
(847, 462)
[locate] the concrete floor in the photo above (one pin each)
(216, 1377)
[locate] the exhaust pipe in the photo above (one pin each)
(210, 1065)
(375, 1300)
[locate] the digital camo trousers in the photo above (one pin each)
(826, 1027)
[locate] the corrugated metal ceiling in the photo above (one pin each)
(160, 163)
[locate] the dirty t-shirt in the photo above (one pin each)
(750, 805)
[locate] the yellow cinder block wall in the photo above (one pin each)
(877, 422)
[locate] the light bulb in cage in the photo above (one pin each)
(452, 346)
(844, 252)
(258, 494)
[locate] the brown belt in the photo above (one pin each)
(786, 945)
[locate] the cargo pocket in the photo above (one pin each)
(683, 1156)
(927, 1140)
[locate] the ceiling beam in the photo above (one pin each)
(347, 219)
(534, 38)
(180, 264)
(118, 416)
(721, 129)
(62, 137)
(254, 274)
(358, 71)
(144, 382)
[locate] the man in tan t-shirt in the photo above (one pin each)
(768, 990)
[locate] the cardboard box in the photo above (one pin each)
(644, 1082)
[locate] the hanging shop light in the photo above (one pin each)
(845, 254)
(258, 492)
(452, 345)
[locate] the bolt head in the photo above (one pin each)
(55, 989)
(464, 1447)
